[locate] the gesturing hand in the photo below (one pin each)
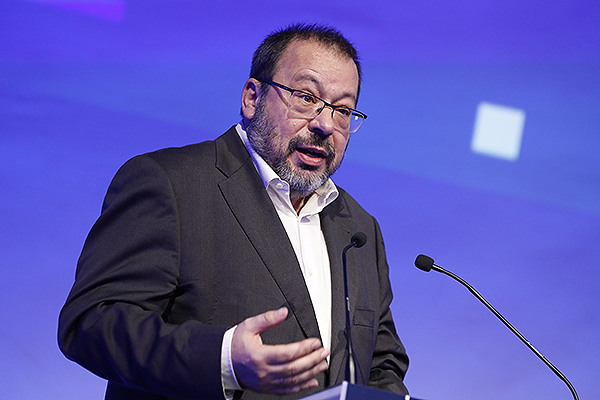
(277, 369)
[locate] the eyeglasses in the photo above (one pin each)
(309, 106)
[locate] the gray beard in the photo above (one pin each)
(263, 135)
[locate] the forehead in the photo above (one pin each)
(313, 63)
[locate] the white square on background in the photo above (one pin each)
(498, 131)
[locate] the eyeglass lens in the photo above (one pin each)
(310, 106)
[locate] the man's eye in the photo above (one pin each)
(346, 112)
(307, 98)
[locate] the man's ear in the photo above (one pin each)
(250, 96)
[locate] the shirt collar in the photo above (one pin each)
(321, 198)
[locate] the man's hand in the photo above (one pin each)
(278, 369)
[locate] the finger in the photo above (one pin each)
(262, 322)
(284, 354)
(300, 375)
(262, 374)
(248, 354)
(303, 368)
(301, 381)
(286, 368)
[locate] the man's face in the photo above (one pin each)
(304, 151)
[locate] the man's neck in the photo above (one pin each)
(297, 201)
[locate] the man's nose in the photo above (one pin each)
(322, 124)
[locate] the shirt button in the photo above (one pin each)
(310, 273)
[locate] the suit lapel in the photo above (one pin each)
(247, 198)
(338, 229)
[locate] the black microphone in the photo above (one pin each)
(358, 240)
(426, 264)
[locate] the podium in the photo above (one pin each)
(347, 391)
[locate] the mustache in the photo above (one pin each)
(314, 140)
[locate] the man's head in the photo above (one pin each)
(267, 55)
(303, 149)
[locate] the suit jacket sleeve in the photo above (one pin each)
(115, 321)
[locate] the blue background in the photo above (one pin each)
(85, 85)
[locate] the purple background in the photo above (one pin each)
(85, 85)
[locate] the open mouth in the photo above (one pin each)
(312, 152)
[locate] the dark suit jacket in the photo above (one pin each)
(189, 244)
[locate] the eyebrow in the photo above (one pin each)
(310, 78)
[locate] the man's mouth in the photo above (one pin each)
(313, 152)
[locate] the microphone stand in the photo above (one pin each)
(358, 240)
(426, 264)
(350, 366)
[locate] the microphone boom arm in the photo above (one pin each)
(508, 325)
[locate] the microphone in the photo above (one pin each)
(358, 240)
(426, 264)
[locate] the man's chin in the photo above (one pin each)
(311, 172)
(303, 168)
(303, 178)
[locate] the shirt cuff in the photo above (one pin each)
(228, 379)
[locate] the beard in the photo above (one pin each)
(265, 137)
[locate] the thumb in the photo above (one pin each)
(262, 322)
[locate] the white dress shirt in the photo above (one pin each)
(306, 237)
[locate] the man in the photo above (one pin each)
(214, 270)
